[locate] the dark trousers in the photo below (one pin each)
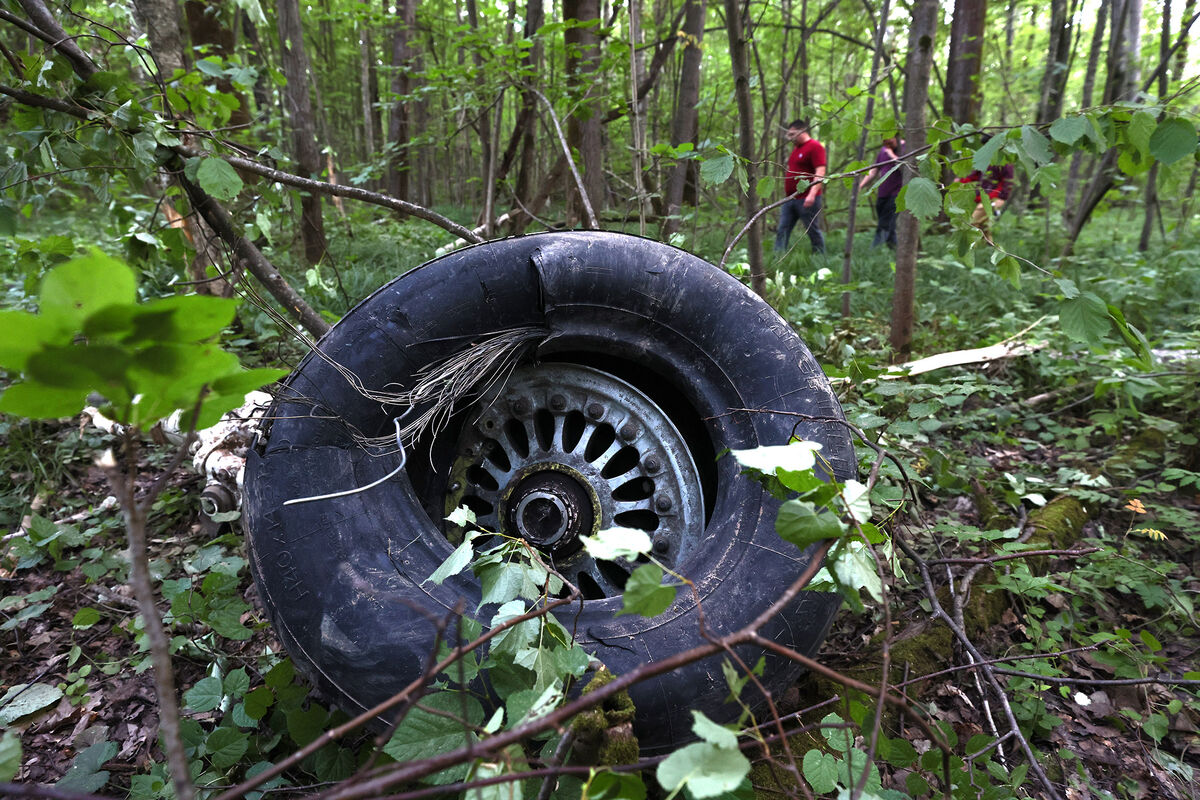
(793, 211)
(885, 228)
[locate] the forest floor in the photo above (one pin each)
(1101, 728)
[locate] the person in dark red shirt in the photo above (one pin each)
(995, 185)
(887, 164)
(806, 162)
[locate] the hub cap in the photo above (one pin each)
(564, 451)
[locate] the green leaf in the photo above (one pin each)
(820, 770)
(793, 457)
(921, 198)
(1084, 318)
(615, 786)
(705, 769)
(237, 682)
(711, 732)
(1139, 130)
(716, 170)
(22, 334)
(226, 746)
(456, 563)
(985, 155)
(205, 695)
(423, 734)
(1155, 726)
(73, 291)
(644, 593)
(800, 523)
(305, 725)
(1173, 139)
(1069, 130)
(10, 756)
(258, 702)
(613, 543)
(1010, 270)
(216, 177)
(1036, 145)
(85, 775)
(24, 699)
(85, 617)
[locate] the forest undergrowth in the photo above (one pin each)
(1040, 600)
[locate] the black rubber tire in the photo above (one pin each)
(342, 579)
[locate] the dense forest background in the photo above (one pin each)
(298, 156)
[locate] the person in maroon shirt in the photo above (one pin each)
(887, 164)
(806, 162)
(995, 184)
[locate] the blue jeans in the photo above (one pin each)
(793, 211)
(885, 228)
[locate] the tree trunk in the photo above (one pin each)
(206, 25)
(161, 20)
(868, 116)
(400, 164)
(922, 33)
(735, 25)
(583, 126)
(525, 174)
(366, 68)
(963, 99)
(1085, 101)
(1054, 78)
(300, 117)
(686, 121)
(1152, 209)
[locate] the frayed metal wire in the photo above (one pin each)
(372, 484)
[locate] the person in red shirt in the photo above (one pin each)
(995, 185)
(806, 162)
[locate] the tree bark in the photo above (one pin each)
(300, 117)
(583, 126)
(1152, 206)
(921, 41)
(963, 98)
(1054, 78)
(166, 39)
(685, 123)
(400, 164)
(735, 26)
(210, 34)
(366, 87)
(1085, 101)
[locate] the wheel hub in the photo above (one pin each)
(563, 451)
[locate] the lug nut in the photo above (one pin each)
(595, 410)
(455, 486)
(558, 402)
(628, 432)
(661, 545)
(521, 406)
(652, 464)
(662, 503)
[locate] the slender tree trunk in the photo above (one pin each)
(583, 126)
(533, 21)
(735, 25)
(161, 20)
(300, 117)
(963, 98)
(1089, 87)
(1152, 209)
(686, 120)
(868, 116)
(366, 65)
(1054, 78)
(400, 164)
(921, 42)
(206, 25)
(483, 125)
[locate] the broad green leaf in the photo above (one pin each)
(616, 786)
(182, 318)
(10, 756)
(1155, 726)
(226, 746)
(216, 177)
(613, 543)
(1173, 139)
(1084, 318)
(205, 695)
(258, 701)
(1139, 130)
(644, 593)
(22, 334)
(716, 170)
(85, 617)
(237, 682)
(456, 563)
(1010, 270)
(423, 734)
(1036, 145)
(855, 570)
(73, 291)
(85, 775)
(305, 724)
(461, 516)
(857, 498)
(820, 770)
(705, 769)
(711, 732)
(793, 457)
(921, 198)
(986, 154)
(1067, 287)
(800, 523)
(24, 699)
(1069, 130)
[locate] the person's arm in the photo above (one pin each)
(866, 179)
(817, 187)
